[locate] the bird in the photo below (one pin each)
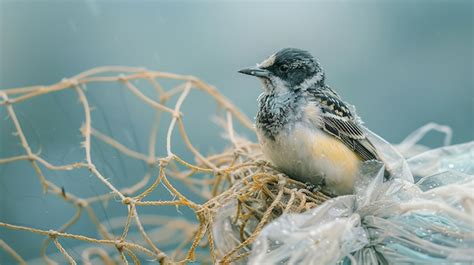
(305, 128)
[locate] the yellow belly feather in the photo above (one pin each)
(337, 153)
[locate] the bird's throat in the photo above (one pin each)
(276, 112)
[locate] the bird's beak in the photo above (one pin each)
(255, 71)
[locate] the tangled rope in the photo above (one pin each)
(239, 175)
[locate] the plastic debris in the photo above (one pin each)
(392, 222)
(423, 215)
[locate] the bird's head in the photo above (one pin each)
(289, 69)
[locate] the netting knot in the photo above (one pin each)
(6, 101)
(177, 115)
(70, 82)
(128, 200)
(81, 203)
(122, 78)
(53, 233)
(217, 171)
(119, 244)
(91, 167)
(163, 162)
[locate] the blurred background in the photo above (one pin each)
(401, 63)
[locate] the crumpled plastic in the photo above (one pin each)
(386, 222)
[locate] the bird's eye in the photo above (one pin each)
(284, 67)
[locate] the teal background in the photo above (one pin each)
(401, 63)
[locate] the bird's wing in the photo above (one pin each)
(338, 120)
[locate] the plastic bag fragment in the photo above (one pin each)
(385, 222)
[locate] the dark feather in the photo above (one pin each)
(339, 121)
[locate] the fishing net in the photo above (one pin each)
(238, 175)
(246, 211)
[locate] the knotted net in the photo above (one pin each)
(235, 176)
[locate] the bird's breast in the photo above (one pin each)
(308, 154)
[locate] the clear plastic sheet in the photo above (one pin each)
(394, 222)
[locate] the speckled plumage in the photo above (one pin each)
(277, 112)
(304, 127)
